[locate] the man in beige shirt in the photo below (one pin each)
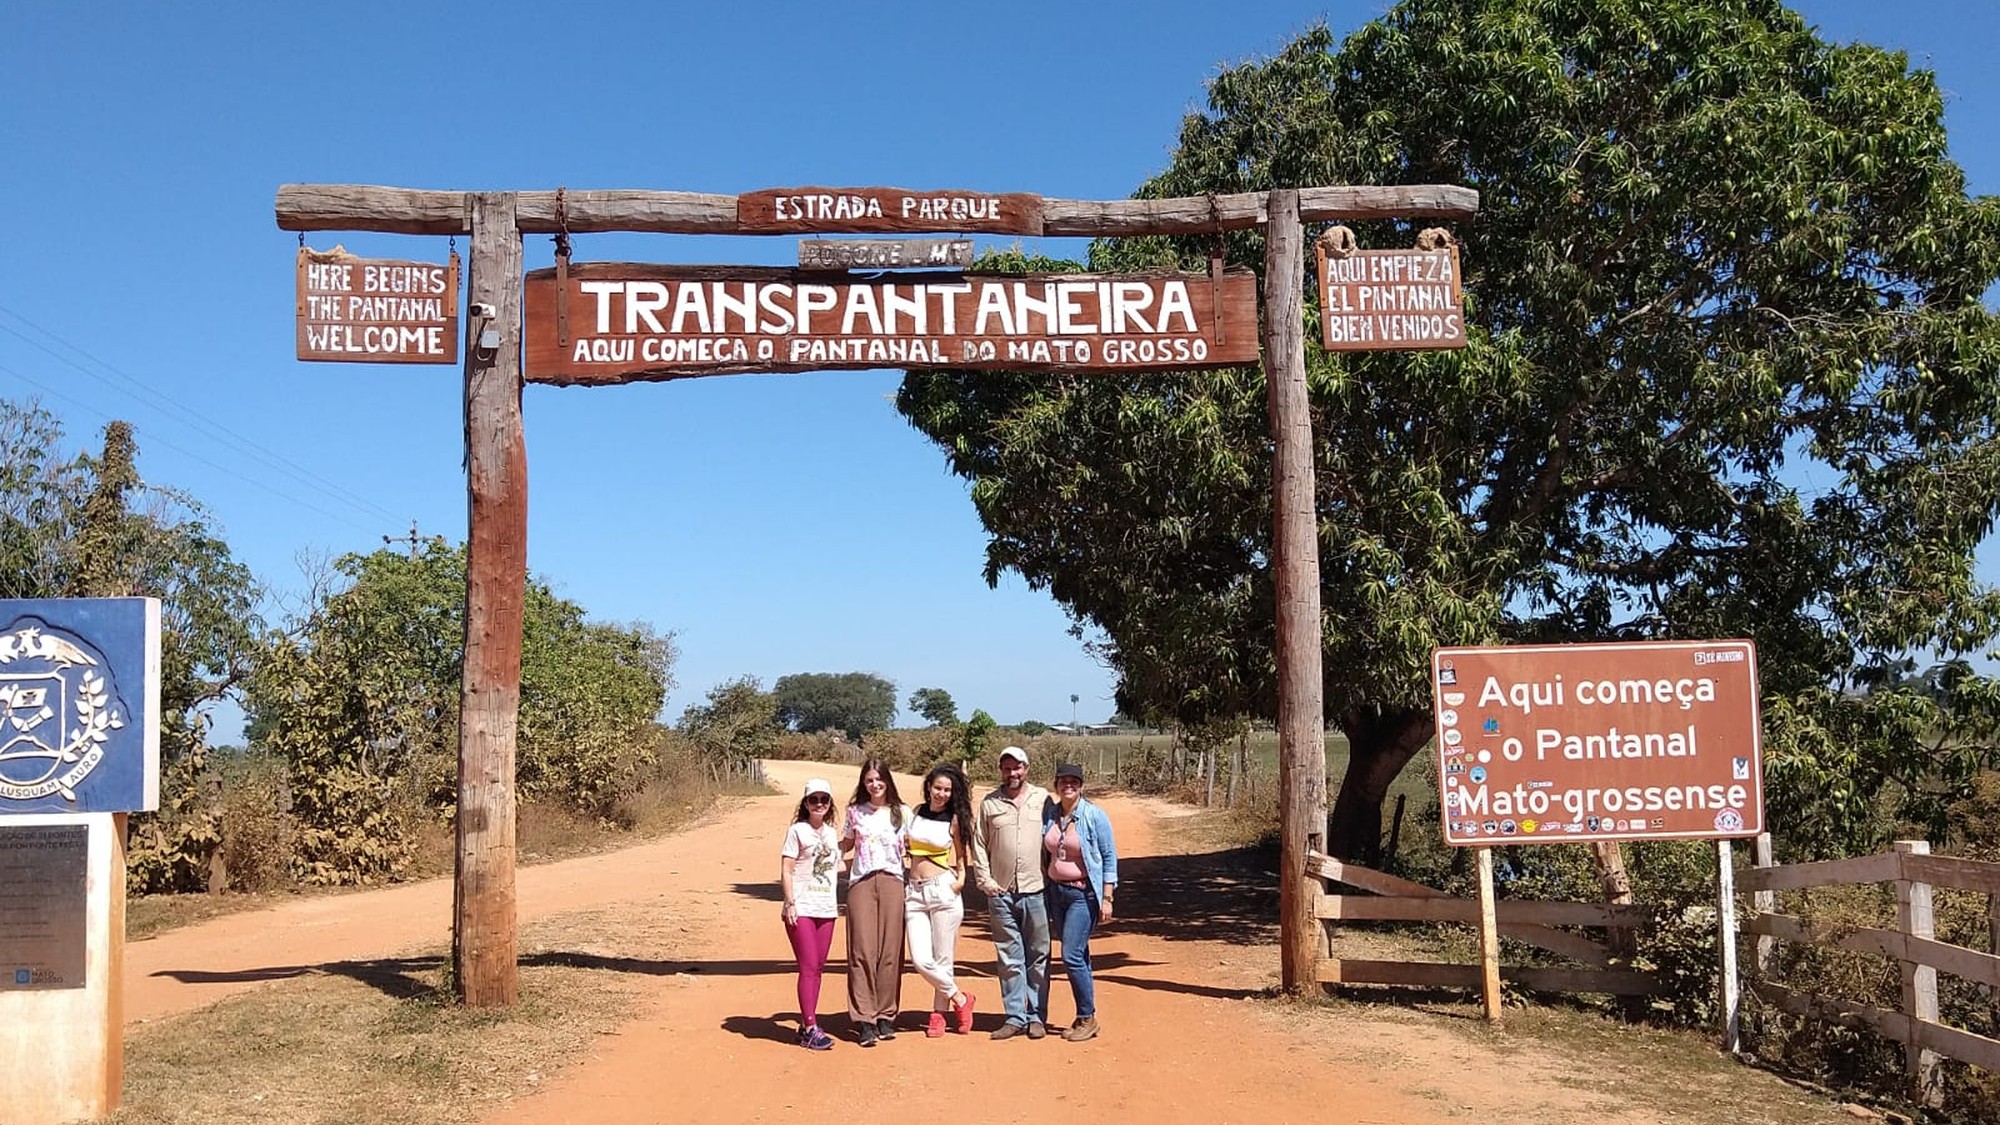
(1007, 862)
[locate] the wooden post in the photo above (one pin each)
(1993, 946)
(483, 938)
(1725, 936)
(1763, 902)
(1489, 938)
(1295, 551)
(1914, 918)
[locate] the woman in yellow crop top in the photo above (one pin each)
(932, 909)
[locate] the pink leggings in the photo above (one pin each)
(812, 939)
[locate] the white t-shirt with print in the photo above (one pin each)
(815, 857)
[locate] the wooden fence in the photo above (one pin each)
(1913, 943)
(1533, 922)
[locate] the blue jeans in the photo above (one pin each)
(1071, 917)
(1021, 944)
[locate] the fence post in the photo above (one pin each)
(1920, 1001)
(1764, 902)
(1725, 932)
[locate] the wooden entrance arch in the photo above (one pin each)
(483, 930)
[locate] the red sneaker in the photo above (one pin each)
(965, 1002)
(935, 1028)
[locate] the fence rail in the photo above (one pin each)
(1915, 1022)
(1533, 922)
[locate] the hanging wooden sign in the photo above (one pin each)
(884, 253)
(806, 210)
(1390, 300)
(633, 322)
(371, 310)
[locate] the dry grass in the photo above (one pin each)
(373, 1041)
(543, 834)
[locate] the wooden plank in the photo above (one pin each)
(1954, 1042)
(416, 211)
(1971, 964)
(374, 310)
(641, 322)
(1725, 937)
(1845, 1013)
(1374, 908)
(1953, 871)
(1431, 974)
(1295, 545)
(1916, 917)
(1574, 946)
(483, 935)
(1763, 902)
(1882, 867)
(1489, 939)
(865, 210)
(884, 253)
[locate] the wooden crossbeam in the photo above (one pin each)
(394, 210)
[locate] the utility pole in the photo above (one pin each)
(412, 539)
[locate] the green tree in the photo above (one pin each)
(975, 736)
(737, 724)
(935, 705)
(90, 526)
(361, 698)
(1729, 374)
(853, 703)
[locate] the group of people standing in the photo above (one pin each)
(1047, 864)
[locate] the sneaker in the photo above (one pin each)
(1037, 1029)
(935, 1028)
(885, 1029)
(866, 1035)
(1010, 1030)
(1082, 1029)
(813, 1039)
(965, 1002)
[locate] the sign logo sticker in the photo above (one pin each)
(56, 714)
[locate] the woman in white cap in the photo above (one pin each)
(807, 873)
(1080, 878)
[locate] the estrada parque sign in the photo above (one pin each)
(1571, 743)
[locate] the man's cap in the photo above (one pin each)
(818, 785)
(1069, 769)
(1016, 753)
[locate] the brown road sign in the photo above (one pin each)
(870, 210)
(630, 321)
(1383, 300)
(1542, 744)
(371, 310)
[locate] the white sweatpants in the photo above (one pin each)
(932, 912)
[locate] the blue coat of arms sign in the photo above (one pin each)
(79, 705)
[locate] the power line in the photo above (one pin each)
(191, 455)
(221, 434)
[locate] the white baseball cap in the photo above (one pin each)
(1016, 753)
(818, 785)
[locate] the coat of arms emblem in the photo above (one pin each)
(56, 714)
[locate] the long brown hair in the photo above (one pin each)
(889, 796)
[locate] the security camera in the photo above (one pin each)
(482, 309)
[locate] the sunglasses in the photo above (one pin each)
(819, 799)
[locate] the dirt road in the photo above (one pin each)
(711, 1040)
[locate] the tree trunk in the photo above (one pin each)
(1380, 744)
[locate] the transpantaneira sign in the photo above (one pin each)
(627, 321)
(1543, 744)
(372, 310)
(1380, 300)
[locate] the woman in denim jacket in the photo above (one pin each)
(1080, 869)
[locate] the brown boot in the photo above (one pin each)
(1082, 1029)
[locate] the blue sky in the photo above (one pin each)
(776, 523)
